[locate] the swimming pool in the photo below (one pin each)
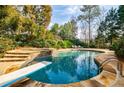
(67, 67)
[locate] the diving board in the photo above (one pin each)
(21, 73)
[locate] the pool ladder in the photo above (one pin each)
(119, 65)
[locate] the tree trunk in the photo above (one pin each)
(89, 28)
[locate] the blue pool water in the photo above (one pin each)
(67, 67)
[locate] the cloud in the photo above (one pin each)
(72, 10)
(50, 25)
(67, 9)
(63, 13)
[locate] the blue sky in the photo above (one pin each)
(63, 13)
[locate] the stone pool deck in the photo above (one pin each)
(109, 77)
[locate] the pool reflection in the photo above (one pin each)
(68, 67)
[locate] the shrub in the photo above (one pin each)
(50, 43)
(60, 44)
(36, 43)
(6, 44)
(77, 42)
(92, 44)
(118, 47)
(24, 38)
(67, 44)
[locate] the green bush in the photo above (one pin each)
(24, 38)
(118, 47)
(77, 42)
(35, 43)
(60, 44)
(67, 44)
(6, 44)
(50, 43)
(114, 46)
(92, 44)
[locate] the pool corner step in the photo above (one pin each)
(91, 83)
(109, 68)
(106, 78)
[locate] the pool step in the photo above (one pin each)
(21, 52)
(31, 49)
(15, 56)
(109, 68)
(12, 59)
(91, 83)
(106, 78)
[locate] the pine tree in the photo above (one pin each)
(89, 13)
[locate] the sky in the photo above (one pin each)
(63, 13)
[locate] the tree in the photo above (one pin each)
(121, 18)
(112, 30)
(43, 15)
(74, 27)
(108, 30)
(55, 28)
(89, 13)
(28, 11)
(100, 39)
(40, 14)
(34, 18)
(68, 30)
(9, 19)
(118, 47)
(101, 35)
